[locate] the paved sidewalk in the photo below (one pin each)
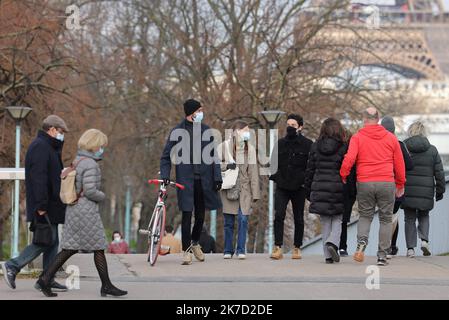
(258, 277)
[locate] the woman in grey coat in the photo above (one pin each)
(83, 228)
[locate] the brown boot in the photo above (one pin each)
(296, 253)
(187, 257)
(277, 253)
(197, 252)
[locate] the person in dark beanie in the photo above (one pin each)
(201, 178)
(43, 166)
(388, 123)
(292, 152)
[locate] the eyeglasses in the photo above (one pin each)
(61, 131)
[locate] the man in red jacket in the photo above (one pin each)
(380, 178)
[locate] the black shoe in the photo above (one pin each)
(9, 275)
(343, 253)
(57, 287)
(329, 260)
(45, 289)
(389, 255)
(382, 262)
(333, 251)
(112, 291)
(394, 250)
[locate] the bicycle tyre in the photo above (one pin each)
(157, 232)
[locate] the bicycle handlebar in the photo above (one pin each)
(173, 184)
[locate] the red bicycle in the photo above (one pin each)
(156, 227)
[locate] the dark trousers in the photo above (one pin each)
(349, 203)
(411, 232)
(281, 199)
(32, 251)
(187, 234)
(394, 238)
(344, 236)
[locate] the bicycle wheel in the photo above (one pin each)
(157, 232)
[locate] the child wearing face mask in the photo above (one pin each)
(118, 245)
(235, 154)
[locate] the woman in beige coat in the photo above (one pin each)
(237, 153)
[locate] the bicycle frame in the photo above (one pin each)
(162, 197)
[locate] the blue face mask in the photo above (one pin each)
(60, 137)
(198, 117)
(99, 153)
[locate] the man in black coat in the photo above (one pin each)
(43, 167)
(292, 152)
(200, 176)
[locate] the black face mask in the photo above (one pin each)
(291, 132)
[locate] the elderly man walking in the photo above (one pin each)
(43, 167)
(380, 178)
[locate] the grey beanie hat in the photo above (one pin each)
(388, 123)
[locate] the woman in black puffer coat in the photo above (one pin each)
(323, 184)
(424, 182)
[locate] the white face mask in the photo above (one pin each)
(198, 117)
(60, 137)
(117, 239)
(246, 136)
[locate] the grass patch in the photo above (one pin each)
(33, 274)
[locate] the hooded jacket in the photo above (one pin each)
(427, 177)
(323, 182)
(377, 155)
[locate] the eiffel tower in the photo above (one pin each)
(412, 37)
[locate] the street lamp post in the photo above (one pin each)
(271, 117)
(213, 223)
(18, 113)
(128, 209)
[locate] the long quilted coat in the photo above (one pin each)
(83, 228)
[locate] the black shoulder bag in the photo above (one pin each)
(43, 233)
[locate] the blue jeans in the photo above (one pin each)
(32, 251)
(242, 230)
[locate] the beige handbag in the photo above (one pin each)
(68, 193)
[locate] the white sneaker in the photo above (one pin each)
(410, 253)
(227, 256)
(425, 248)
(241, 257)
